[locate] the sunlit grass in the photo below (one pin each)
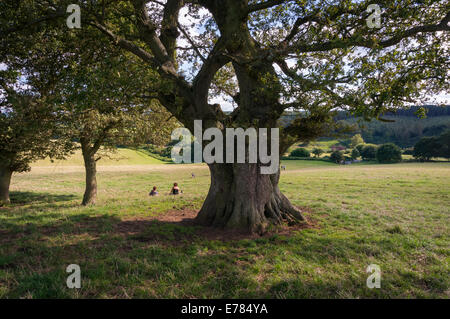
(122, 156)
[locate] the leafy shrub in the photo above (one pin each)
(300, 152)
(337, 156)
(369, 152)
(426, 148)
(444, 140)
(318, 151)
(360, 147)
(429, 147)
(356, 140)
(355, 154)
(389, 153)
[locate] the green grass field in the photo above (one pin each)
(395, 216)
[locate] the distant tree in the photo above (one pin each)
(434, 130)
(360, 147)
(389, 153)
(337, 156)
(355, 140)
(369, 152)
(444, 141)
(405, 132)
(355, 154)
(427, 148)
(317, 152)
(300, 152)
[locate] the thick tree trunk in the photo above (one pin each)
(5, 181)
(90, 193)
(241, 198)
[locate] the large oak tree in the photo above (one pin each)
(270, 56)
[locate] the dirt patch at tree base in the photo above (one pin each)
(175, 227)
(146, 228)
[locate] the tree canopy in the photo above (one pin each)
(29, 126)
(94, 98)
(266, 57)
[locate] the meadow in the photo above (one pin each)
(132, 246)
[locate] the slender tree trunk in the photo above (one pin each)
(90, 193)
(241, 198)
(5, 181)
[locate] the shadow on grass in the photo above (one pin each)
(113, 254)
(172, 228)
(155, 259)
(29, 211)
(144, 258)
(22, 198)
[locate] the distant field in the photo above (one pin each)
(123, 156)
(395, 216)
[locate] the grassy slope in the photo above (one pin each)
(396, 216)
(123, 156)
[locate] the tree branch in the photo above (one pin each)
(296, 28)
(265, 5)
(194, 46)
(127, 45)
(169, 26)
(99, 141)
(212, 64)
(147, 31)
(370, 43)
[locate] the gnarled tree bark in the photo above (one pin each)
(241, 198)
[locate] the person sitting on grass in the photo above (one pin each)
(153, 192)
(175, 189)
